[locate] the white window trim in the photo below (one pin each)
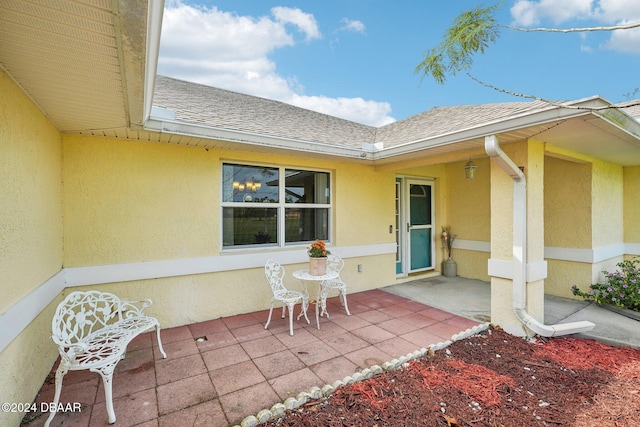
(281, 206)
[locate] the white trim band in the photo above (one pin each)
(504, 269)
(17, 317)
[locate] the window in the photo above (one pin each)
(273, 206)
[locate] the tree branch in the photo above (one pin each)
(574, 30)
(554, 103)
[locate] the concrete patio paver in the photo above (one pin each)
(220, 371)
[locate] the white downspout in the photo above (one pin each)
(520, 248)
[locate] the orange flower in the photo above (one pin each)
(317, 249)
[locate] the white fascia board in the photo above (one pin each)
(615, 116)
(156, 124)
(154, 28)
(496, 127)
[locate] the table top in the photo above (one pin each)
(306, 275)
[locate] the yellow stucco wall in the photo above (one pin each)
(469, 215)
(130, 201)
(567, 203)
(30, 236)
(584, 209)
(567, 220)
(631, 176)
(607, 200)
(469, 201)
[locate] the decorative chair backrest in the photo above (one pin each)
(82, 313)
(334, 262)
(275, 275)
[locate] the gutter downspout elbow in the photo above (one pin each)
(492, 147)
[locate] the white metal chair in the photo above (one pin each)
(335, 263)
(275, 276)
(92, 330)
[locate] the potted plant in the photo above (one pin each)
(317, 252)
(449, 266)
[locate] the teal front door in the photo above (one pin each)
(414, 226)
(420, 226)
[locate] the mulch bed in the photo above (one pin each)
(491, 379)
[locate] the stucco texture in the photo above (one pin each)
(607, 200)
(128, 201)
(567, 203)
(30, 236)
(31, 194)
(468, 213)
(631, 204)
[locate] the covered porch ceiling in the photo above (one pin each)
(87, 64)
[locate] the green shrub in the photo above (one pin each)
(620, 288)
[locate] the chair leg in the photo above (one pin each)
(106, 373)
(305, 307)
(60, 373)
(269, 319)
(164, 355)
(324, 292)
(343, 294)
(291, 318)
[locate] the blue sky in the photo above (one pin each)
(355, 59)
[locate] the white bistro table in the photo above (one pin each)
(305, 276)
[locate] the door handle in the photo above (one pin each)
(408, 226)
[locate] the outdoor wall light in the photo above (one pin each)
(470, 170)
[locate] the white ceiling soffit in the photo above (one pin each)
(82, 62)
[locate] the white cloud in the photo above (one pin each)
(627, 41)
(304, 21)
(529, 13)
(353, 26)
(354, 109)
(222, 49)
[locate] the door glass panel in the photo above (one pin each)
(398, 226)
(420, 227)
(420, 196)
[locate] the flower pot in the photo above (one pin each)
(449, 268)
(318, 266)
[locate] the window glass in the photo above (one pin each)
(249, 226)
(306, 187)
(302, 224)
(242, 183)
(273, 206)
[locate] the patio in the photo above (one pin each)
(221, 371)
